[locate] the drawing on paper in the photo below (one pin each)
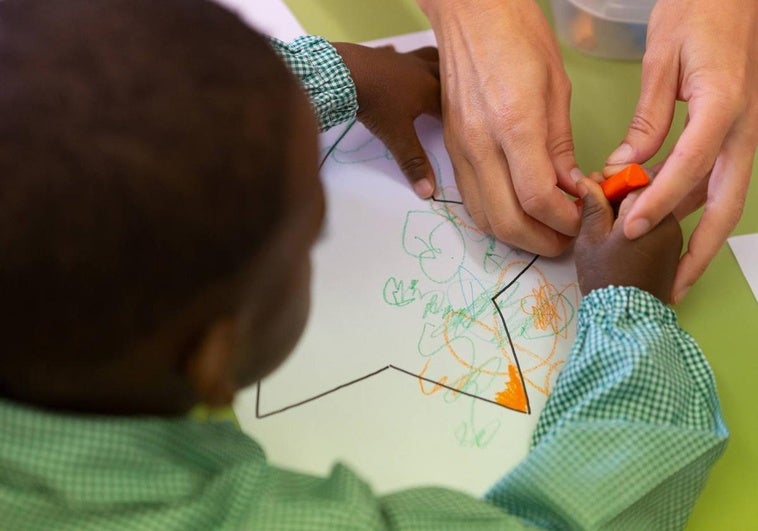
(483, 320)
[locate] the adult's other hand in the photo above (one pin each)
(706, 54)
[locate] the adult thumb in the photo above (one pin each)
(597, 213)
(410, 156)
(652, 117)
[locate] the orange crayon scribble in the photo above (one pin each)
(544, 311)
(461, 383)
(452, 215)
(514, 394)
(495, 328)
(547, 306)
(543, 368)
(421, 381)
(462, 316)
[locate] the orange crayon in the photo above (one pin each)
(617, 186)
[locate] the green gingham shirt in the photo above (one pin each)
(323, 75)
(625, 441)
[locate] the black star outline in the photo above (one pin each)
(401, 370)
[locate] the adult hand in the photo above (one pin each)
(705, 53)
(505, 106)
(606, 257)
(393, 90)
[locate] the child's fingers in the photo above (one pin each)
(427, 53)
(597, 213)
(410, 156)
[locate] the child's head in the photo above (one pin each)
(158, 200)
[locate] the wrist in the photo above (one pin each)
(353, 55)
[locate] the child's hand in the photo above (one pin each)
(604, 256)
(393, 90)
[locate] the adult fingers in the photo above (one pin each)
(505, 217)
(690, 161)
(726, 199)
(534, 177)
(465, 180)
(560, 141)
(692, 201)
(654, 112)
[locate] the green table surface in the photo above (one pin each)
(720, 310)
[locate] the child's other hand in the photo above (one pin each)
(604, 256)
(393, 90)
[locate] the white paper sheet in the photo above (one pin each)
(431, 348)
(271, 17)
(745, 249)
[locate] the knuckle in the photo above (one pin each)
(504, 234)
(477, 147)
(534, 204)
(593, 214)
(480, 220)
(471, 135)
(369, 120)
(562, 145)
(413, 166)
(730, 99)
(501, 113)
(592, 219)
(510, 117)
(506, 115)
(504, 229)
(516, 130)
(643, 125)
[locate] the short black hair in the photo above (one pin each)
(142, 145)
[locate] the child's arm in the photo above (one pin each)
(384, 89)
(633, 425)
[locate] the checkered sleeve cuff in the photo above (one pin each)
(623, 304)
(630, 430)
(631, 361)
(324, 76)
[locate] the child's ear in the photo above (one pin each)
(210, 369)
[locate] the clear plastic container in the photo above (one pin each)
(614, 29)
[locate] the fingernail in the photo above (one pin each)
(576, 174)
(423, 189)
(681, 294)
(623, 154)
(637, 228)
